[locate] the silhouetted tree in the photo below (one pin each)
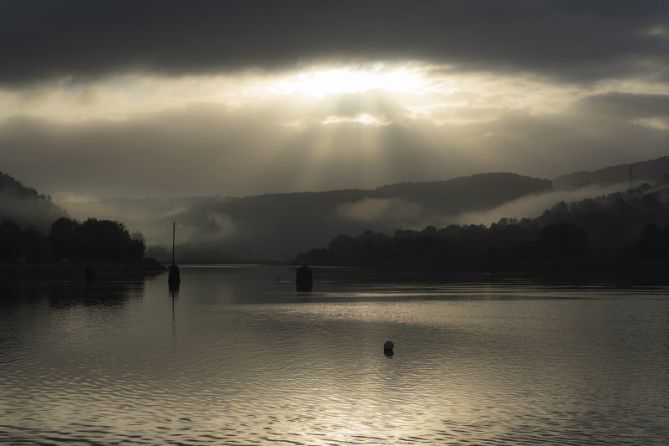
(92, 240)
(106, 239)
(62, 237)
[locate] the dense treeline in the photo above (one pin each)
(626, 227)
(68, 239)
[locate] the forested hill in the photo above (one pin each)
(279, 225)
(626, 228)
(25, 206)
(482, 191)
(651, 170)
(33, 230)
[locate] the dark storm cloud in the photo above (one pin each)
(575, 40)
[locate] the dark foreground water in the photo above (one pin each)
(240, 358)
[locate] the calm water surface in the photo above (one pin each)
(238, 357)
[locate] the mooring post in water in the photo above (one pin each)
(174, 278)
(388, 348)
(174, 231)
(304, 279)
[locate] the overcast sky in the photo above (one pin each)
(144, 98)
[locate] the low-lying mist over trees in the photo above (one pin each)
(277, 226)
(629, 227)
(489, 216)
(25, 206)
(34, 229)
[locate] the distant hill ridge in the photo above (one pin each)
(487, 189)
(653, 170)
(624, 230)
(10, 185)
(25, 206)
(278, 225)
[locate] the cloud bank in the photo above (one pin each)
(577, 41)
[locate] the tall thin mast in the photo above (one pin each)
(174, 278)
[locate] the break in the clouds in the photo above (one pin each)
(190, 97)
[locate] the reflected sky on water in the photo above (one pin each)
(238, 357)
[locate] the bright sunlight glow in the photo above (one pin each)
(319, 83)
(362, 118)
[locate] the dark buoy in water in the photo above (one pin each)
(173, 278)
(388, 347)
(89, 274)
(304, 280)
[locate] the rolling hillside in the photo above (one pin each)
(25, 205)
(651, 171)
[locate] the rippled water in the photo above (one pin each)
(238, 357)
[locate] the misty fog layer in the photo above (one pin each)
(277, 226)
(26, 207)
(533, 205)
